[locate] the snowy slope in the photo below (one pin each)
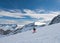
(30, 26)
(47, 34)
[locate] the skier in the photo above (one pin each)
(34, 30)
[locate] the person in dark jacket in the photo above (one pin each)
(34, 30)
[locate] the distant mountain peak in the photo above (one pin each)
(55, 20)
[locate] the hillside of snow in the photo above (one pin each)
(47, 34)
(29, 26)
(11, 29)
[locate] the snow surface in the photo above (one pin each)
(47, 34)
(39, 23)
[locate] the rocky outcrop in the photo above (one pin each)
(55, 20)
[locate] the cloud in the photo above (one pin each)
(21, 23)
(34, 14)
(27, 11)
(15, 14)
(33, 11)
(46, 16)
(5, 21)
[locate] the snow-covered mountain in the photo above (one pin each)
(55, 20)
(47, 34)
(29, 26)
(7, 28)
(24, 28)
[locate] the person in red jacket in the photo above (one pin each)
(34, 30)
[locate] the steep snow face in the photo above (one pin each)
(55, 20)
(47, 34)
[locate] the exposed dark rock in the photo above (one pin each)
(55, 20)
(1, 31)
(7, 32)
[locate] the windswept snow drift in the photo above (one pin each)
(47, 34)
